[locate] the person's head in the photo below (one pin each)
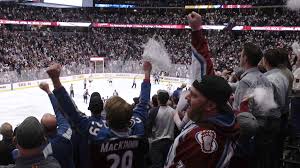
(136, 100)
(208, 97)
(71, 84)
(271, 59)
(284, 58)
(48, 122)
(30, 137)
(6, 130)
(162, 97)
(154, 101)
(96, 104)
(119, 113)
(250, 56)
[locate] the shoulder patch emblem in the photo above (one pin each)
(207, 141)
(131, 122)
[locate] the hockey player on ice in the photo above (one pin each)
(90, 80)
(156, 78)
(84, 83)
(115, 93)
(71, 90)
(85, 96)
(134, 83)
(110, 81)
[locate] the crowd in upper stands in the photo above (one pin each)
(196, 2)
(19, 51)
(250, 17)
(35, 49)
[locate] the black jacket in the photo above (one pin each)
(37, 161)
(6, 147)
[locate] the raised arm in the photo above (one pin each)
(201, 56)
(141, 110)
(64, 128)
(64, 100)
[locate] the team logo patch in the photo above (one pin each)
(180, 165)
(131, 122)
(207, 141)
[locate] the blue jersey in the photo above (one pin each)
(119, 152)
(96, 128)
(60, 143)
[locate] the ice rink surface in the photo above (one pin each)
(16, 105)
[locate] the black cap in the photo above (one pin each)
(215, 89)
(30, 133)
(96, 102)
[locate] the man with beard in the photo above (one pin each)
(208, 139)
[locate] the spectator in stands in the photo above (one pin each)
(279, 81)
(6, 144)
(154, 101)
(285, 66)
(96, 106)
(58, 132)
(252, 77)
(115, 123)
(201, 141)
(31, 140)
(161, 130)
(119, 112)
(176, 94)
(280, 86)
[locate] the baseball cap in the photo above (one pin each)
(30, 133)
(214, 88)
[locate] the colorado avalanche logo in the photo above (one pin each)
(207, 141)
(131, 122)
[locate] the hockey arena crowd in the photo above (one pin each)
(241, 109)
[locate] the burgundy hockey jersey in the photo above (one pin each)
(209, 144)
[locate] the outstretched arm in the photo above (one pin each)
(66, 103)
(64, 128)
(201, 56)
(141, 110)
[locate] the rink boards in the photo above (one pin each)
(74, 78)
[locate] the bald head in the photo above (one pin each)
(49, 122)
(6, 130)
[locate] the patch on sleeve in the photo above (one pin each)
(180, 165)
(207, 141)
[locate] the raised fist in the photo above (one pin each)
(45, 87)
(195, 21)
(147, 67)
(54, 70)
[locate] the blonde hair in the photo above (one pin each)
(119, 112)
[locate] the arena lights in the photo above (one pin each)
(217, 6)
(114, 6)
(152, 26)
